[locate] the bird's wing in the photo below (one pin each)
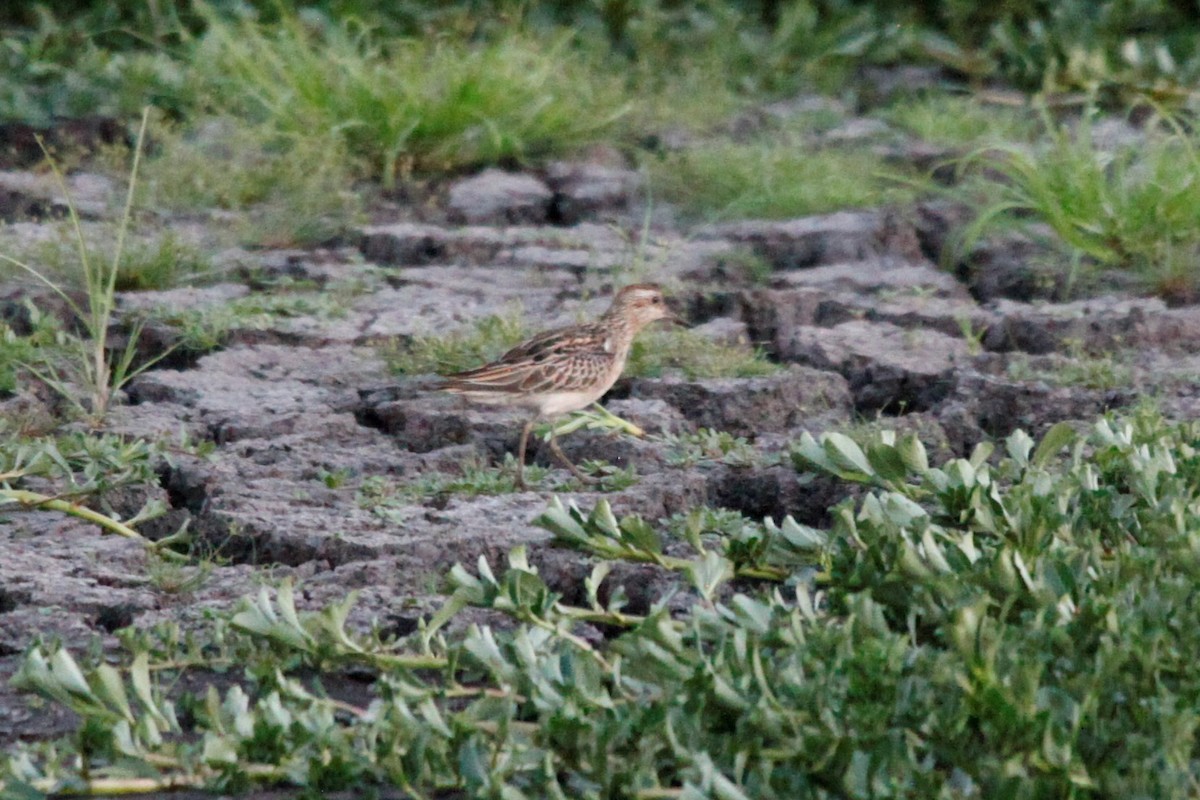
(566, 359)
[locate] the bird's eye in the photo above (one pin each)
(656, 300)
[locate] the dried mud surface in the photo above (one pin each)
(865, 323)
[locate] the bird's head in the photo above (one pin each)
(641, 304)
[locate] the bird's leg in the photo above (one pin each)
(561, 456)
(520, 481)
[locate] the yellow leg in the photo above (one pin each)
(520, 481)
(554, 448)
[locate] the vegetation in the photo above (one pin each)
(79, 467)
(154, 261)
(1017, 623)
(658, 352)
(489, 338)
(288, 190)
(417, 105)
(686, 449)
(956, 120)
(1128, 204)
(85, 363)
(774, 179)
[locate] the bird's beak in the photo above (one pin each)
(674, 319)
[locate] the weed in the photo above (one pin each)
(1134, 207)
(773, 179)
(175, 578)
(706, 521)
(202, 330)
(288, 190)
(960, 120)
(607, 477)
(335, 479)
(435, 104)
(971, 335)
(688, 449)
(488, 338)
(77, 466)
(475, 478)
(1077, 368)
(933, 602)
(657, 352)
(44, 341)
(54, 69)
(90, 366)
(748, 265)
(150, 262)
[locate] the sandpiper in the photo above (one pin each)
(564, 369)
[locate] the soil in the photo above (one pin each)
(867, 322)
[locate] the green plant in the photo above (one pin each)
(970, 334)
(207, 328)
(155, 261)
(80, 466)
(55, 67)
(960, 120)
(748, 265)
(90, 365)
(776, 178)
(288, 189)
(1019, 623)
(405, 105)
(45, 336)
(488, 338)
(1077, 368)
(687, 449)
(1132, 207)
(656, 352)
(171, 576)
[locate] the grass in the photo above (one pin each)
(473, 479)
(45, 337)
(56, 68)
(385, 497)
(406, 106)
(1020, 623)
(960, 120)
(488, 338)
(88, 374)
(1105, 372)
(1133, 207)
(149, 261)
(653, 353)
(773, 179)
(286, 190)
(208, 328)
(657, 352)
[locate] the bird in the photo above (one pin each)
(564, 369)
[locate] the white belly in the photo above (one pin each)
(551, 405)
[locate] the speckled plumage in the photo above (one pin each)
(565, 369)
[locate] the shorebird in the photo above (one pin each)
(564, 369)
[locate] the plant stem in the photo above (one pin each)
(27, 499)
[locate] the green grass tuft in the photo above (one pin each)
(960, 120)
(287, 190)
(489, 338)
(409, 105)
(773, 180)
(1132, 206)
(655, 353)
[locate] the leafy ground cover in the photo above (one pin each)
(1013, 624)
